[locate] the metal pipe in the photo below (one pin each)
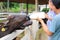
(36, 5)
(7, 5)
(27, 6)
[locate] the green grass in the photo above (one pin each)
(2, 21)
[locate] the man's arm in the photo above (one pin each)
(45, 28)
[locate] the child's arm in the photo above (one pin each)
(49, 18)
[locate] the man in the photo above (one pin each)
(54, 30)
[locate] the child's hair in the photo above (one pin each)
(56, 3)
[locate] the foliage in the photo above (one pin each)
(31, 7)
(45, 10)
(16, 7)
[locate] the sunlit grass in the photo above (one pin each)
(2, 21)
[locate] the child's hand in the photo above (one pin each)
(46, 16)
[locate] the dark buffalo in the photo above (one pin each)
(15, 22)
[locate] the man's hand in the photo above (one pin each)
(39, 19)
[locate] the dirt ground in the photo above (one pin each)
(40, 35)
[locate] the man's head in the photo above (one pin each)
(54, 5)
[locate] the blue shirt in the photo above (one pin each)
(52, 15)
(55, 28)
